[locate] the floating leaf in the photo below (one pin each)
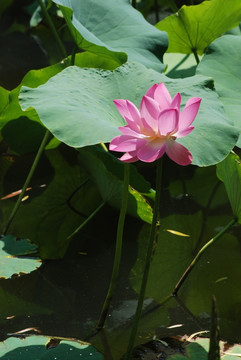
(35, 347)
(223, 63)
(229, 171)
(195, 27)
(13, 257)
(114, 29)
(85, 115)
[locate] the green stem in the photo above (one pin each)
(27, 181)
(199, 254)
(196, 56)
(52, 27)
(118, 249)
(86, 221)
(147, 262)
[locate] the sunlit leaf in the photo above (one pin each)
(229, 171)
(195, 27)
(23, 131)
(85, 115)
(114, 28)
(14, 257)
(223, 63)
(35, 347)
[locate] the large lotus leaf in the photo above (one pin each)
(195, 27)
(36, 347)
(113, 28)
(23, 131)
(85, 115)
(108, 173)
(223, 63)
(229, 171)
(14, 259)
(49, 218)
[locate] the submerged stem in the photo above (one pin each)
(199, 254)
(86, 221)
(118, 249)
(147, 262)
(28, 179)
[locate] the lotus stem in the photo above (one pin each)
(196, 56)
(28, 179)
(147, 261)
(118, 249)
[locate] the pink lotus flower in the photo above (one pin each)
(153, 131)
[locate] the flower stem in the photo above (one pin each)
(52, 27)
(118, 249)
(199, 254)
(147, 262)
(28, 179)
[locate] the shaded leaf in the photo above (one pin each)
(85, 115)
(114, 28)
(195, 27)
(49, 218)
(223, 63)
(108, 173)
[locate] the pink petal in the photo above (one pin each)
(150, 112)
(178, 153)
(184, 132)
(152, 150)
(162, 96)
(126, 130)
(150, 92)
(176, 101)
(168, 121)
(129, 112)
(129, 157)
(189, 113)
(123, 143)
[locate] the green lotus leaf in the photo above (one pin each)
(193, 28)
(14, 257)
(114, 28)
(60, 207)
(108, 173)
(223, 63)
(85, 115)
(23, 131)
(36, 347)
